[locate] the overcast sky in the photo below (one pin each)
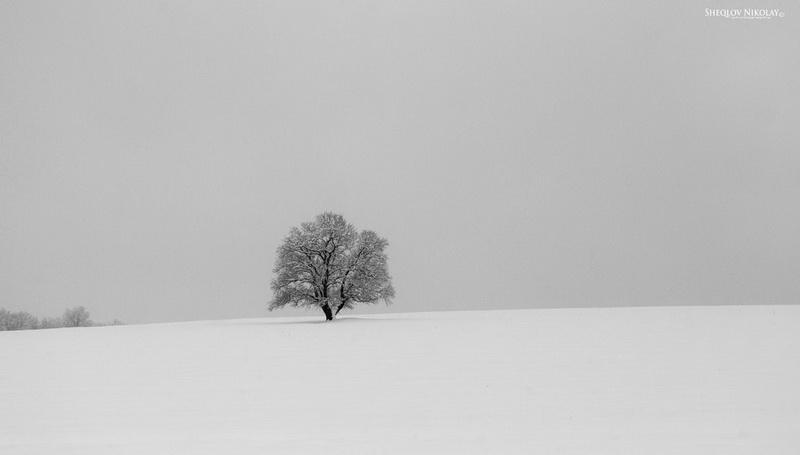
(515, 154)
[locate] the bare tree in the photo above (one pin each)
(327, 263)
(77, 317)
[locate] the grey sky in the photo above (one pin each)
(515, 154)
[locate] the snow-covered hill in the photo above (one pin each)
(573, 381)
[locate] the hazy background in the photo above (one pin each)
(515, 154)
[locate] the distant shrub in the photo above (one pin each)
(106, 324)
(51, 323)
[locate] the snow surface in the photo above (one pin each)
(672, 380)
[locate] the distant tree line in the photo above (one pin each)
(72, 317)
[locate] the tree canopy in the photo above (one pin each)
(327, 263)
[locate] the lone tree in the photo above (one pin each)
(327, 263)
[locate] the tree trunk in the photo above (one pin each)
(339, 309)
(328, 313)
(341, 294)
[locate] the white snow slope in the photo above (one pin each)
(678, 380)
